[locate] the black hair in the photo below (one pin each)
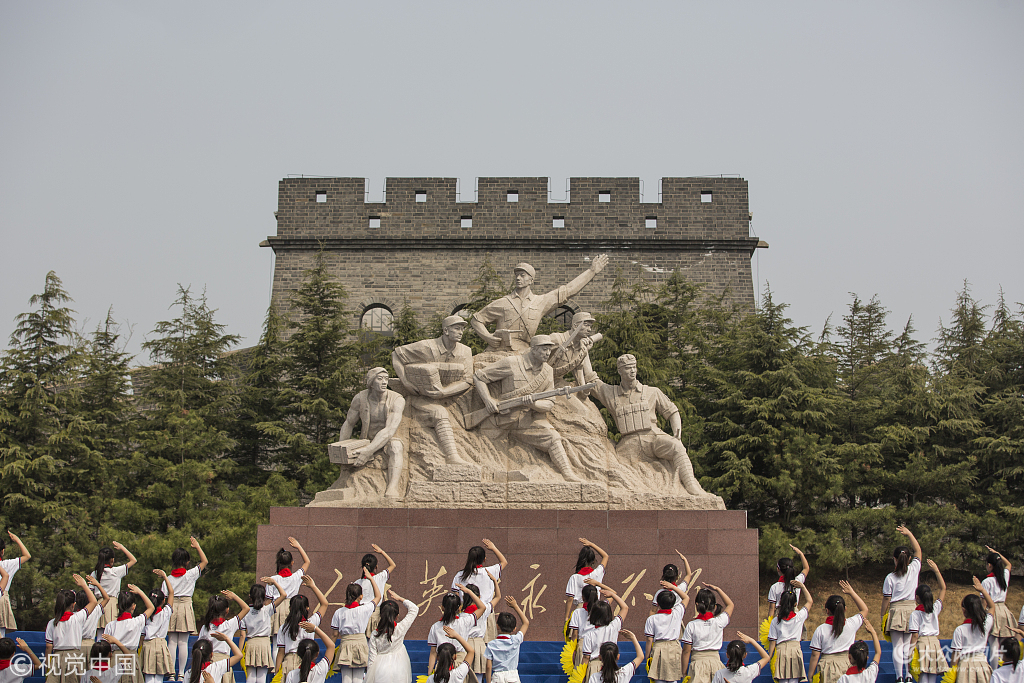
(506, 622)
(81, 599)
(902, 556)
(998, 568)
(1011, 652)
(370, 562)
(64, 602)
(202, 652)
(216, 606)
(307, 651)
(974, 610)
(924, 595)
(476, 556)
(157, 597)
(590, 596)
(126, 601)
(670, 573)
(105, 557)
(859, 654)
(666, 599)
(283, 559)
(180, 558)
(786, 569)
(257, 596)
(388, 619)
(609, 656)
(586, 558)
(467, 600)
(707, 602)
(836, 606)
(787, 604)
(443, 661)
(601, 614)
(298, 612)
(451, 604)
(353, 593)
(735, 653)
(3, 546)
(6, 648)
(100, 650)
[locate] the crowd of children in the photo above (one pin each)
(147, 633)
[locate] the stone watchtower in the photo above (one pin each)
(423, 247)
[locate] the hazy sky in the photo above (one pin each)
(141, 143)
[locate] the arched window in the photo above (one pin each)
(378, 318)
(562, 317)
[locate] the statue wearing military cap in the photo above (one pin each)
(379, 412)
(572, 351)
(516, 316)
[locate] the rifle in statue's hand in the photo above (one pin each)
(568, 341)
(477, 416)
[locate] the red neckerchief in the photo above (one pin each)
(789, 616)
(471, 609)
(829, 620)
(706, 616)
(65, 616)
(4, 663)
(178, 573)
(352, 605)
(479, 566)
(504, 638)
(216, 622)
(585, 571)
(968, 621)
(664, 611)
(102, 665)
(124, 615)
(285, 572)
(206, 664)
(990, 576)
(782, 579)
(919, 608)
(853, 671)
(108, 566)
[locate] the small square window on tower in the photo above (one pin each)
(604, 196)
(321, 196)
(558, 221)
(421, 195)
(512, 196)
(651, 222)
(466, 222)
(374, 221)
(705, 196)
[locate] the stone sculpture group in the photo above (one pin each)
(504, 429)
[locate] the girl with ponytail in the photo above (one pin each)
(307, 651)
(832, 640)
(183, 579)
(702, 637)
(446, 667)
(784, 634)
(924, 629)
(290, 581)
(216, 621)
(110, 577)
(485, 578)
(369, 562)
(64, 632)
(606, 624)
(579, 622)
(255, 626)
(608, 655)
(473, 605)
(735, 653)
(289, 635)
(971, 638)
(860, 671)
(670, 573)
(11, 566)
(996, 583)
(207, 670)
(92, 622)
(350, 623)
(898, 602)
(787, 573)
(451, 616)
(587, 566)
(156, 658)
(389, 660)
(1011, 671)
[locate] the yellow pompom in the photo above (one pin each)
(422, 679)
(915, 664)
(885, 628)
(565, 659)
(773, 662)
(242, 661)
(762, 633)
(577, 674)
(687, 679)
(950, 676)
(816, 678)
(278, 677)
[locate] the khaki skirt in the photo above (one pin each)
(109, 612)
(492, 627)
(156, 658)
(703, 665)
(290, 663)
(371, 625)
(135, 677)
(974, 669)
(930, 655)
(7, 614)
(183, 619)
(62, 672)
(1003, 622)
(666, 661)
(87, 644)
(352, 651)
(479, 663)
(789, 660)
(833, 666)
(899, 615)
(258, 652)
(280, 615)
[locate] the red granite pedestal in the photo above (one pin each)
(429, 548)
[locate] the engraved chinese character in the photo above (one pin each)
(434, 588)
(635, 579)
(533, 600)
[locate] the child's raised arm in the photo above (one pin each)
(116, 643)
(848, 589)
(808, 599)
(202, 556)
(597, 549)
(874, 640)
(727, 604)
(243, 606)
(623, 607)
(497, 553)
(305, 558)
(757, 646)
(636, 646)
(23, 646)
(25, 554)
(281, 596)
(511, 602)
(806, 571)
(990, 605)
(327, 640)
(678, 590)
(373, 584)
(913, 542)
(688, 576)
(391, 563)
(236, 654)
(91, 605)
(321, 607)
(93, 582)
(476, 601)
(466, 645)
(497, 591)
(170, 589)
(150, 608)
(1009, 567)
(131, 558)
(938, 577)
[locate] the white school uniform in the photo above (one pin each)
(621, 676)
(256, 623)
(349, 620)
(503, 652)
(228, 628)
(462, 624)
(185, 585)
(574, 586)
(456, 675)
(782, 630)
(580, 620)
(665, 626)
(779, 587)
(990, 584)
(92, 622)
(654, 600)
(868, 675)
(968, 642)
(11, 567)
(590, 644)
(1007, 674)
(156, 627)
(317, 673)
(926, 624)
(108, 675)
(745, 674)
(111, 581)
(128, 631)
(285, 640)
(898, 588)
(822, 641)
(479, 627)
(480, 579)
(380, 578)
(216, 669)
(1020, 619)
(703, 635)
(67, 634)
(290, 585)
